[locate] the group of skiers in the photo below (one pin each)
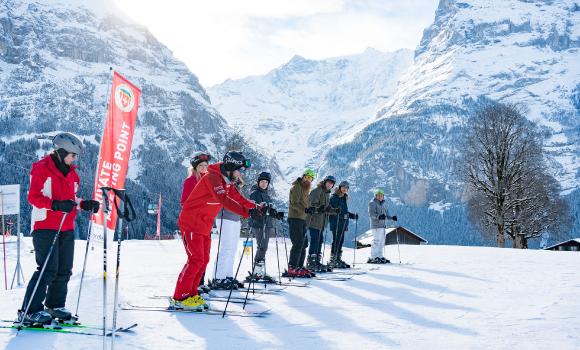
(210, 192)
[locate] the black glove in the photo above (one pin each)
(394, 218)
(310, 210)
(90, 205)
(382, 217)
(65, 206)
(353, 216)
(280, 215)
(272, 211)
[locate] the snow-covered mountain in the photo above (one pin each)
(297, 110)
(54, 76)
(508, 50)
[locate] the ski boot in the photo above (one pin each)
(221, 284)
(374, 261)
(194, 303)
(313, 262)
(237, 284)
(203, 289)
(385, 260)
(59, 313)
(39, 318)
(294, 272)
(342, 264)
(307, 272)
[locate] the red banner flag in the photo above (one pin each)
(116, 143)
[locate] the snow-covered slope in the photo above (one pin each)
(446, 298)
(54, 75)
(523, 52)
(297, 110)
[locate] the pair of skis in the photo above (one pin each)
(216, 308)
(64, 328)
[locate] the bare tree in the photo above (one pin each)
(512, 194)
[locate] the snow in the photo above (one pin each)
(440, 206)
(447, 297)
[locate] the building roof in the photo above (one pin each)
(575, 240)
(367, 237)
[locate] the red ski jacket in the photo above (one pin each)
(212, 193)
(47, 183)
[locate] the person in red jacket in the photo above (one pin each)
(199, 163)
(214, 191)
(53, 188)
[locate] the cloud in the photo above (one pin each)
(233, 39)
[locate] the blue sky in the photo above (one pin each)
(223, 39)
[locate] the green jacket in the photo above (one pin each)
(298, 201)
(319, 197)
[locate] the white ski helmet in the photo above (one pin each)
(68, 142)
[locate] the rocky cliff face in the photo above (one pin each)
(518, 51)
(54, 69)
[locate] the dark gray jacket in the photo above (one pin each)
(377, 208)
(256, 218)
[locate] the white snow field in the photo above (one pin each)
(444, 297)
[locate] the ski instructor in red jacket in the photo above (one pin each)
(214, 191)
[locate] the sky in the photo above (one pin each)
(232, 39)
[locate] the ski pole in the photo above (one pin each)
(355, 242)
(123, 215)
(252, 282)
(119, 230)
(84, 266)
(340, 236)
(323, 234)
(253, 263)
(398, 246)
(284, 236)
(105, 219)
(42, 271)
(278, 257)
(235, 277)
(219, 243)
(384, 237)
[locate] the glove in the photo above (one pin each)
(280, 215)
(272, 212)
(65, 206)
(394, 218)
(320, 209)
(260, 207)
(382, 217)
(310, 210)
(353, 216)
(90, 205)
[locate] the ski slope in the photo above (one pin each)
(445, 297)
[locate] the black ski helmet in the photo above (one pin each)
(329, 178)
(235, 160)
(199, 157)
(68, 142)
(344, 184)
(264, 175)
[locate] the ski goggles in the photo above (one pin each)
(204, 157)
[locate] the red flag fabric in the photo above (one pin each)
(116, 143)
